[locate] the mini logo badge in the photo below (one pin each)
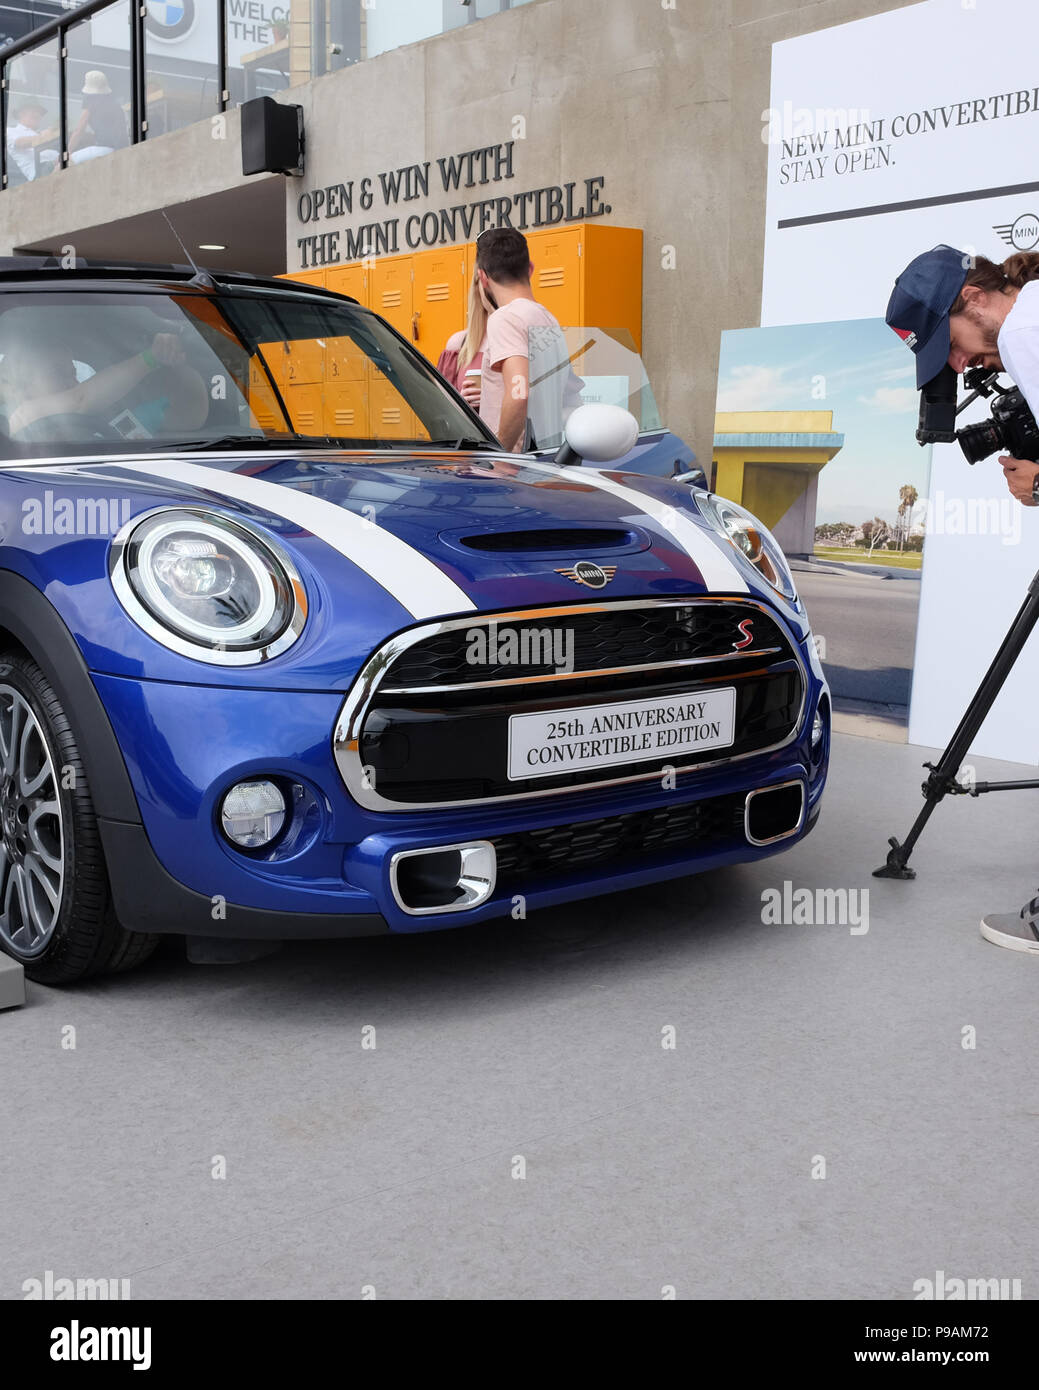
(908, 337)
(592, 575)
(1022, 235)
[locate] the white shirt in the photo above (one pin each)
(25, 157)
(1018, 344)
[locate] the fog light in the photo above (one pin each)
(252, 814)
(817, 731)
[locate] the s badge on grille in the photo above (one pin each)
(592, 575)
(748, 637)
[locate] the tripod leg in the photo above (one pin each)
(943, 775)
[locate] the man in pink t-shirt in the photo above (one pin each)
(528, 387)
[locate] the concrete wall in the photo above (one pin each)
(201, 159)
(665, 102)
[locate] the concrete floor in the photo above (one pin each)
(392, 1168)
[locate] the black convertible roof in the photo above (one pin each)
(45, 269)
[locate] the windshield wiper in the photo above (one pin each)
(461, 444)
(314, 441)
(238, 441)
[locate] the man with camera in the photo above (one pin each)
(962, 312)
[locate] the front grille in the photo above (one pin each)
(622, 842)
(422, 727)
(591, 641)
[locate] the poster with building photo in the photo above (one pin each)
(815, 434)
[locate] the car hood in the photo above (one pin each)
(446, 532)
(386, 541)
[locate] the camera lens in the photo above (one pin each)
(980, 440)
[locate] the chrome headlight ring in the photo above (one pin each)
(207, 586)
(753, 542)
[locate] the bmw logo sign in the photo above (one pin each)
(170, 19)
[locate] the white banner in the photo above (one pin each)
(886, 137)
(186, 29)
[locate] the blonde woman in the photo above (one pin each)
(463, 351)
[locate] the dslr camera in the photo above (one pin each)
(1011, 429)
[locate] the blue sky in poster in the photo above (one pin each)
(867, 377)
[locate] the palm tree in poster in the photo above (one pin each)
(907, 497)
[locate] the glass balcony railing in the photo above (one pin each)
(81, 78)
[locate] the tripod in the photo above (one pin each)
(941, 781)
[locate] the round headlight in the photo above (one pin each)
(207, 586)
(754, 542)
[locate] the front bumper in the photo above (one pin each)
(185, 745)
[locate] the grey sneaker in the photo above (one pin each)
(1017, 931)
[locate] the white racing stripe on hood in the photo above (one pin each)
(719, 572)
(413, 580)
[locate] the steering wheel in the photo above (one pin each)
(65, 425)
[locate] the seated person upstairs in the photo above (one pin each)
(42, 379)
(102, 124)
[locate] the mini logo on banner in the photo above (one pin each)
(908, 337)
(170, 19)
(592, 575)
(1022, 235)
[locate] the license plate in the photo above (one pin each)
(546, 745)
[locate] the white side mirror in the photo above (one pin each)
(600, 433)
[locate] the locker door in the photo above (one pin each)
(306, 406)
(391, 292)
(440, 298)
(346, 410)
(351, 280)
(611, 279)
(556, 282)
(262, 400)
(347, 374)
(391, 416)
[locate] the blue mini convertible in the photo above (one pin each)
(290, 648)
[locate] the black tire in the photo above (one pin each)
(78, 934)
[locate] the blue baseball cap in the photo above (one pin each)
(918, 309)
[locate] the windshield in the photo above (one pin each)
(87, 372)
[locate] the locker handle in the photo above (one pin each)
(414, 325)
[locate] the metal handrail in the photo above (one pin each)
(58, 28)
(52, 27)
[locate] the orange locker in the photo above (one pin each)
(391, 416)
(262, 400)
(390, 282)
(440, 296)
(348, 279)
(346, 409)
(586, 273)
(305, 362)
(306, 407)
(611, 279)
(556, 282)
